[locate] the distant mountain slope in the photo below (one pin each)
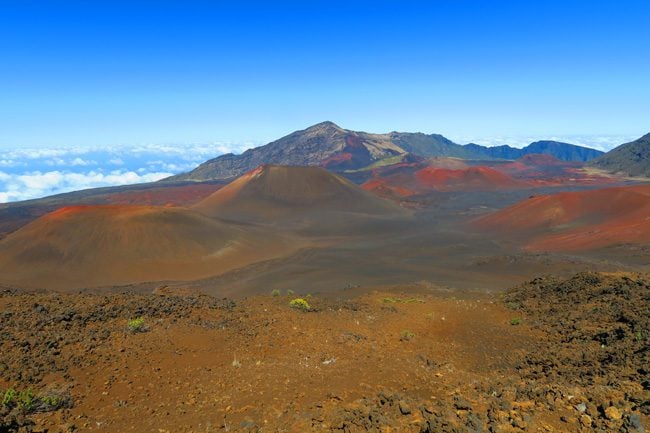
(324, 144)
(430, 145)
(630, 158)
(561, 151)
(337, 149)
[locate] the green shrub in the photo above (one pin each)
(51, 400)
(515, 321)
(406, 335)
(513, 305)
(26, 400)
(290, 292)
(300, 304)
(9, 397)
(136, 325)
(275, 292)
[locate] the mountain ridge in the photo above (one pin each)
(632, 159)
(337, 149)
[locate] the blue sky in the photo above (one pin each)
(94, 73)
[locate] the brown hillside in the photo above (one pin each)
(84, 246)
(272, 194)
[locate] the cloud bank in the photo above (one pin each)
(33, 173)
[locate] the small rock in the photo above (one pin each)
(67, 428)
(633, 424)
(613, 413)
(581, 407)
(461, 404)
(585, 420)
(404, 408)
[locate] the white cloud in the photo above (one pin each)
(55, 162)
(81, 162)
(37, 184)
(39, 172)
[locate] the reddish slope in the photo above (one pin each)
(84, 246)
(277, 193)
(183, 195)
(546, 170)
(468, 179)
(576, 221)
(403, 180)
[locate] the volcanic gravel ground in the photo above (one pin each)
(551, 356)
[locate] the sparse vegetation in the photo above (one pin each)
(275, 293)
(391, 300)
(300, 304)
(9, 397)
(26, 402)
(406, 335)
(137, 325)
(515, 321)
(513, 305)
(290, 292)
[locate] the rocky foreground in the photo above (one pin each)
(551, 356)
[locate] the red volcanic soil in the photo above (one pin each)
(446, 174)
(405, 359)
(338, 159)
(470, 179)
(575, 221)
(353, 155)
(87, 246)
(185, 195)
(383, 188)
(546, 170)
(271, 193)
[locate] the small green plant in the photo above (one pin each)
(275, 293)
(513, 305)
(51, 401)
(290, 292)
(9, 397)
(640, 335)
(26, 400)
(136, 325)
(406, 335)
(515, 321)
(300, 304)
